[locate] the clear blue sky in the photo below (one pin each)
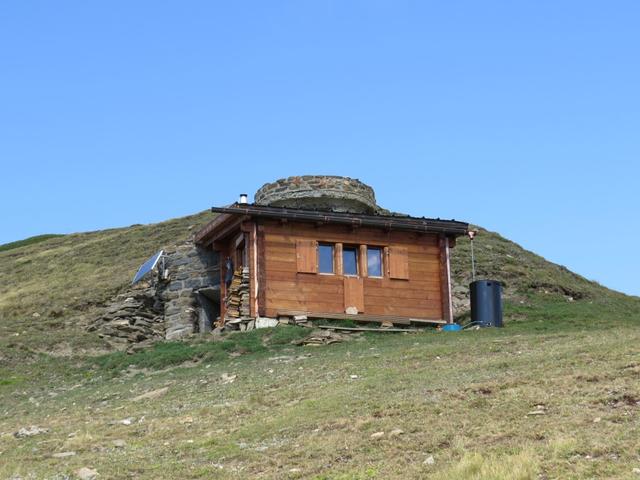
(522, 117)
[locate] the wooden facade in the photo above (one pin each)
(409, 279)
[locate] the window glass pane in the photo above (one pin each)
(350, 260)
(325, 258)
(374, 262)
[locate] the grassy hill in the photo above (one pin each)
(51, 285)
(555, 394)
(49, 289)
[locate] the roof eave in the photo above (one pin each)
(421, 225)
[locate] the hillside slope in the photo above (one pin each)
(522, 273)
(49, 289)
(554, 395)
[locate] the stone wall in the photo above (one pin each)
(191, 270)
(132, 317)
(321, 192)
(158, 308)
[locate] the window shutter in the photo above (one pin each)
(306, 253)
(399, 263)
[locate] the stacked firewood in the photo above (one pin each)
(237, 300)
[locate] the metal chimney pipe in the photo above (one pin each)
(243, 198)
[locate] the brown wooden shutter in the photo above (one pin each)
(306, 256)
(399, 263)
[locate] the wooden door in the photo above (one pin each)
(354, 293)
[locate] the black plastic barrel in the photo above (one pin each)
(486, 303)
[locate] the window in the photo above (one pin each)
(325, 258)
(374, 261)
(350, 260)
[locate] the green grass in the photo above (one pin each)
(28, 241)
(294, 412)
(253, 405)
(167, 354)
(51, 290)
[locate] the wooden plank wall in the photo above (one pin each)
(420, 296)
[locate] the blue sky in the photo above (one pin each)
(522, 117)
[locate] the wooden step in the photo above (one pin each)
(361, 317)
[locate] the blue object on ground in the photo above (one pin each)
(451, 327)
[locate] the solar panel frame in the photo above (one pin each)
(147, 267)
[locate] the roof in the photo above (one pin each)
(389, 222)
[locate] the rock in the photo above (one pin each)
(266, 322)
(119, 443)
(537, 412)
(300, 318)
(30, 431)
(36, 315)
(351, 311)
(597, 420)
(226, 378)
(86, 473)
(322, 337)
(353, 377)
(636, 471)
(217, 332)
(396, 432)
(152, 394)
(127, 421)
(63, 454)
(429, 460)
(377, 435)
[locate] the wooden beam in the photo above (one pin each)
(367, 329)
(238, 240)
(445, 279)
(223, 231)
(201, 236)
(338, 254)
(363, 261)
(362, 317)
(252, 247)
(262, 273)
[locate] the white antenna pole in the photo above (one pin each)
(472, 234)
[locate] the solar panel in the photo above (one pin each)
(147, 266)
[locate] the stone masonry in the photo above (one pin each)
(319, 192)
(133, 317)
(191, 269)
(157, 309)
